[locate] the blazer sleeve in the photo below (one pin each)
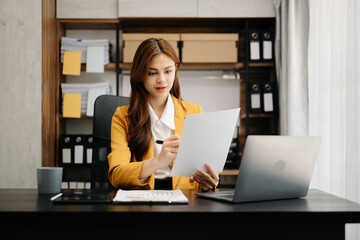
(123, 172)
(200, 110)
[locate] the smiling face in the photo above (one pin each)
(160, 77)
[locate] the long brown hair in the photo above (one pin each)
(140, 135)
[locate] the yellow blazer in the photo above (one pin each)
(124, 172)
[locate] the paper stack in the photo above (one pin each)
(89, 92)
(81, 45)
(150, 196)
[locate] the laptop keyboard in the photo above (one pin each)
(225, 193)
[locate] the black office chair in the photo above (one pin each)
(104, 109)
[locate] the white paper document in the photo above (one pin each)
(150, 196)
(92, 95)
(206, 138)
(81, 45)
(85, 90)
(95, 59)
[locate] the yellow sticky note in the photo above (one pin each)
(72, 63)
(72, 105)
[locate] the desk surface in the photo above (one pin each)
(26, 206)
(316, 202)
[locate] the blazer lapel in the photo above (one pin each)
(179, 117)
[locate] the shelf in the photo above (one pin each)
(258, 115)
(102, 24)
(82, 117)
(229, 172)
(108, 67)
(181, 25)
(261, 64)
(199, 66)
(211, 66)
(184, 66)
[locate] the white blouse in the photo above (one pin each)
(161, 129)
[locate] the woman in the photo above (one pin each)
(155, 112)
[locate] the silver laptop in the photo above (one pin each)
(272, 167)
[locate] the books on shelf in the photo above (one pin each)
(89, 92)
(81, 45)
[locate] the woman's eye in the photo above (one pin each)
(152, 73)
(168, 71)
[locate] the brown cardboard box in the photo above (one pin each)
(208, 48)
(133, 40)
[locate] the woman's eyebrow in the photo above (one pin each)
(155, 69)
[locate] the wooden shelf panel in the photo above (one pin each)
(258, 115)
(107, 67)
(181, 25)
(230, 172)
(82, 117)
(211, 66)
(261, 64)
(184, 66)
(102, 24)
(199, 66)
(208, 66)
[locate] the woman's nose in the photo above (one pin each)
(161, 78)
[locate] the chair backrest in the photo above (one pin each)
(104, 109)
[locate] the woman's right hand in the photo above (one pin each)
(169, 150)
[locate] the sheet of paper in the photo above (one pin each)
(92, 95)
(148, 196)
(72, 105)
(95, 59)
(84, 88)
(206, 138)
(72, 63)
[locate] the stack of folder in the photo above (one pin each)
(81, 45)
(87, 92)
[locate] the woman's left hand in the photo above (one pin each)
(208, 179)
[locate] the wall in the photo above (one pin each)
(20, 92)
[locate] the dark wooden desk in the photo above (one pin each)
(320, 216)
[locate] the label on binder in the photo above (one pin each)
(255, 101)
(79, 154)
(268, 102)
(267, 50)
(66, 155)
(254, 50)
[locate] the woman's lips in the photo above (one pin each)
(160, 89)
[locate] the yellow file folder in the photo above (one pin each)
(72, 63)
(72, 105)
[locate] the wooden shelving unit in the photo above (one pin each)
(250, 123)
